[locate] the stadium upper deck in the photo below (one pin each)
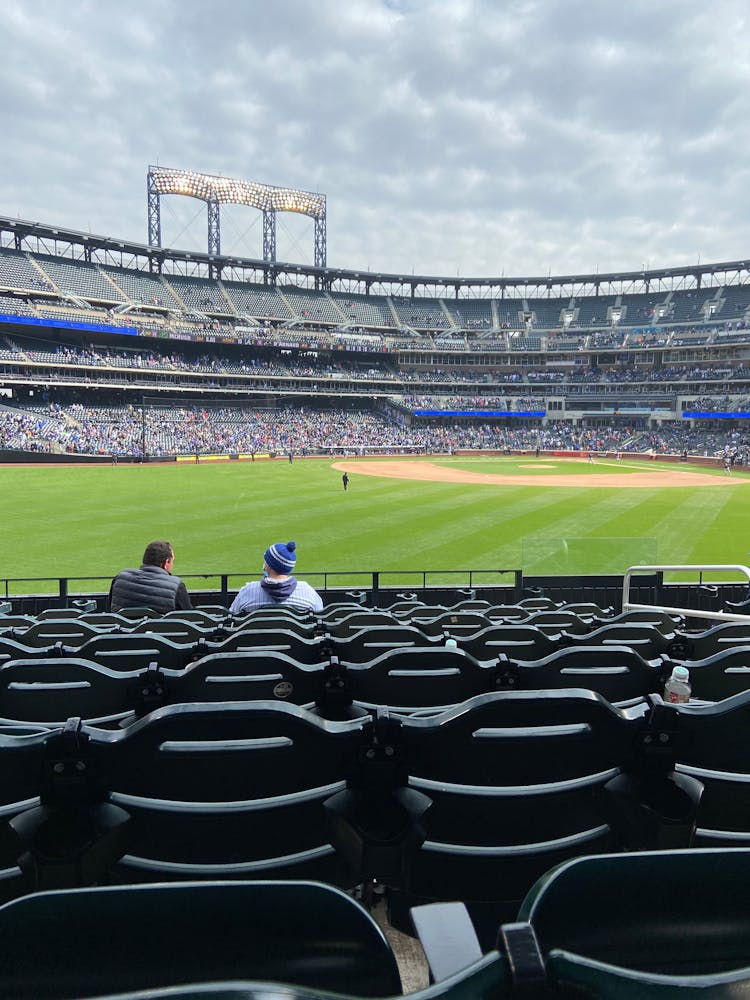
(147, 289)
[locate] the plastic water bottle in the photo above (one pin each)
(677, 689)
(451, 643)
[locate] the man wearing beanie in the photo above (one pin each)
(278, 586)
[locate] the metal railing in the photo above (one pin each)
(369, 580)
(724, 616)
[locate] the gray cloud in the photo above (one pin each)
(467, 137)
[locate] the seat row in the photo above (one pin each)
(48, 690)
(527, 641)
(99, 688)
(473, 803)
(189, 626)
(334, 610)
(599, 927)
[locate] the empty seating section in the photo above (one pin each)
(470, 314)
(141, 288)
(256, 301)
(80, 279)
(420, 314)
(198, 294)
(367, 310)
(311, 306)
(11, 306)
(72, 315)
(642, 308)
(17, 270)
(525, 343)
(734, 301)
(688, 306)
(510, 313)
(594, 310)
(546, 314)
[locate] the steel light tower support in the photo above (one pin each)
(320, 245)
(154, 216)
(214, 228)
(320, 240)
(269, 235)
(269, 243)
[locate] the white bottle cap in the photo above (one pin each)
(681, 674)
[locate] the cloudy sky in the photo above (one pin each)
(471, 137)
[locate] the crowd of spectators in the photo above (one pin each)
(311, 363)
(118, 431)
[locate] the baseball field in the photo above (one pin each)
(546, 515)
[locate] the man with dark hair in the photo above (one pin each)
(278, 585)
(151, 586)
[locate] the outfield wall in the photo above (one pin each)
(52, 458)
(61, 458)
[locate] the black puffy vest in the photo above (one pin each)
(147, 587)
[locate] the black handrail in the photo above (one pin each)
(369, 580)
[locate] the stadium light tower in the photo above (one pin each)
(217, 190)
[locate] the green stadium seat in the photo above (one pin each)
(699, 645)
(617, 673)
(178, 629)
(365, 645)
(515, 780)
(605, 928)
(199, 791)
(418, 677)
(519, 642)
(711, 743)
(307, 648)
(662, 620)
(51, 690)
(558, 621)
(508, 614)
(720, 675)
(86, 942)
(250, 675)
(452, 623)
(72, 633)
(648, 640)
(58, 614)
(275, 620)
(358, 620)
(678, 914)
(137, 651)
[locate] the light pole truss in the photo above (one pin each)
(216, 191)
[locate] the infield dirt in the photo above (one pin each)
(428, 472)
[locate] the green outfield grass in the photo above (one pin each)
(92, 521)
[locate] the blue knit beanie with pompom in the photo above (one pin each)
(281, 558)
